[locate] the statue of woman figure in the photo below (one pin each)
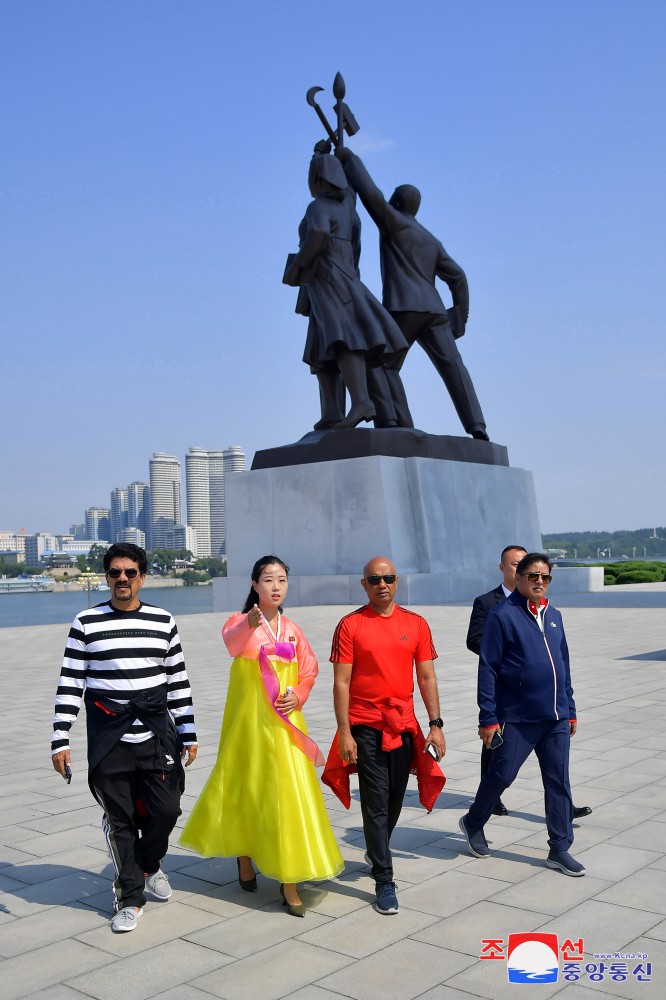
(349, 330)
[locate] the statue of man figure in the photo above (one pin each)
(411, 259)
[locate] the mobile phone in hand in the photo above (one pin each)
(68, 774)
(497, 740)
(432, 750)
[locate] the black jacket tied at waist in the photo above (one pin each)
(107, 721)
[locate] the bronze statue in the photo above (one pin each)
(349, 333)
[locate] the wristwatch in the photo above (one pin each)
(436, 722)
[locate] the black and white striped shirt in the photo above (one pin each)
(120, 653)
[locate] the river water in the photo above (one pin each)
(53, 608)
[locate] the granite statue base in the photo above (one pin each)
(443, 523)
(398, 442)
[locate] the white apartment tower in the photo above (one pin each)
(165, 506)
(138, 512)
(118, 512)
(98, 524)
(233, 460)
(206, 473)
(197, 487)
(216, 485)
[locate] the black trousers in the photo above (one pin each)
(138, 787)
(382, 781)
(435, 335)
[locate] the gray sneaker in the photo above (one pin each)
(126, 919)
(158, 885)
(562, 861)
(476, 842)
(386, 900)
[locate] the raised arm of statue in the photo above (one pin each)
(384, 216)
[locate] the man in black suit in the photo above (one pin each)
(509, 560)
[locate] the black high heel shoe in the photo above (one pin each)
(296, 909)
(249, 884)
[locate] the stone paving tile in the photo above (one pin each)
(647, 835)
(49, 966)
(69, 820)
(658, 931)
(88, 859)
(149, 973)
(604, 926)
(402, 971)
(620, 815)
(615, 862)
(551, 892)
(314, 993)
(276, 972)
(362, 933)
(463, 931)
(55, 924)
(59, 992)
(448, 893)
(45, 844)
(236, 936)
(20, 815)
(645, 889)
(160, 923)
(75, 886)
(656, 796)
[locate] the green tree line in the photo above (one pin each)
(640, 544)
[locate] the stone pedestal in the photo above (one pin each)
(443, 522)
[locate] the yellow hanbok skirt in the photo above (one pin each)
(263, 798)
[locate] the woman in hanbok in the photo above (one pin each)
(262, 801)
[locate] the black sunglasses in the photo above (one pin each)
(533, 577)
(115, 574)
(374, 580)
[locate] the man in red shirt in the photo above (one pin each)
(373, 653)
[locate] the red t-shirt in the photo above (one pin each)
(382, 651)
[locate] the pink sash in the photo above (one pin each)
(271, 685)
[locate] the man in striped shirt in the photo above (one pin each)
(124, 660)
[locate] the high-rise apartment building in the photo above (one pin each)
(206, 474)
(98, 524)
(233, 460)
(118, 512)
(197, 488)
(165, 503)
(216, 483)
(37, 546)
(138, 512)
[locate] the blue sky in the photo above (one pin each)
(153, 176)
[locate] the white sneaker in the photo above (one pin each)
(158, 885)
(126, 919)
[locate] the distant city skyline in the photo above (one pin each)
(149, 513)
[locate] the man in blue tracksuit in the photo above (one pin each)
(526, 699)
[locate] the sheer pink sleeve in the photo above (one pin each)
(237, 634)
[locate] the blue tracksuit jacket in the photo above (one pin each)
(523, 672)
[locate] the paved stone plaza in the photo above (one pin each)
(214, 940)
